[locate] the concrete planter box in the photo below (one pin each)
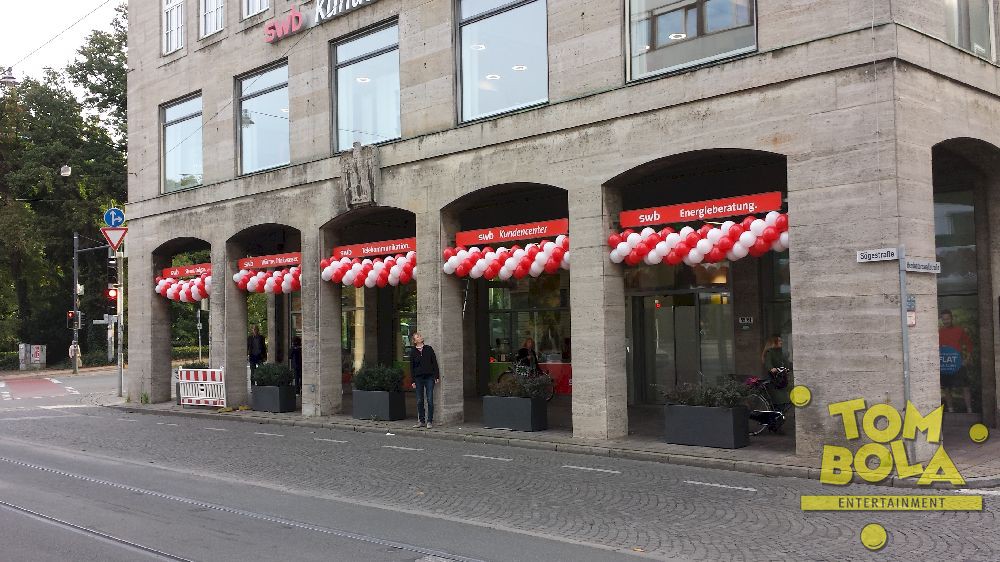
(703, 426)
(379, 405)
(275, 399)
(520, 414)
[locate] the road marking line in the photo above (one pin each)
(695, 482)
(37, 397)
(126, 419)
(54, 380)
(17, 398)
(215, 429)
(592, 469)
(165, 423)
(2, 384)
(268, 434)
(400, 448)
(978, 492)
(487, 458)
(61, 406)
(328, 440)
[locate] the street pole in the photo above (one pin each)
(197, 314)
(905, 333)
(120, 308)
(76, 303)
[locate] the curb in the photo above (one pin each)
(749, 467)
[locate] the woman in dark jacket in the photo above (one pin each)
(425, 373)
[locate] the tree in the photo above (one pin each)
(102, 70)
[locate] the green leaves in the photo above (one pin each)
(378, 377)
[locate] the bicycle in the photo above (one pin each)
(763, 412)
(523, 370)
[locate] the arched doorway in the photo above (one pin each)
(498, 313)
(966, 194)
(708, 319)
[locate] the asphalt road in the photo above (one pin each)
(101, 484)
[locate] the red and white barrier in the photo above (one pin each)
(729, 241)
(504, 263)
(202, 387)
(184, 290)
(393, 270)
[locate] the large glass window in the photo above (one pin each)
(251, 7)
(504, 56)
(970, 26)
(182, 158)
(263, 119)
(173, 25)
(672, 34)
(212, 13)
(368, 88)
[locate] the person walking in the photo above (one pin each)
(773, 358)
(425, 373)
(75, 354)
(256, 348)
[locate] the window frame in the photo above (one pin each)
(163, 138)
(700, 10)
(460, 25)
(336, 66)
(963, 23)
(169, 6)
(219, 13)
(240, 98)
(263, 6)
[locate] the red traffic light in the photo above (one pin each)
(111, 293)
(70, 314)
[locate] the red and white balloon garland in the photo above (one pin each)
(274, 282)
(504, 263)
(729, 241)
(378, 272)
(184, 290)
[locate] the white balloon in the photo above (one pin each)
(771, 218)
(366, 261)
(777, 247)
(685, 231)
(490, 256)
(633, 240)
(518, 254)
(276, 273)
(695, 257)
(475, 273)
(560, 239)
(565, 260)
(646, 232)
(548, 247)
(447, 269)
(370, 283)
(474, 249)
(757, 227)
(714, 235)
(349, 277)
(731, 256)
(394, 279)
(704, 246)
(411, 255)
(661, 248)
(379, 266)
(462, 255)
(672, 239)
(327, 274)
(345, 259)
(740, 251)
(511, 263)
(372, 275)
(784, 239)
(726, 226)
(252, 285)
(623, 248)
(286, 286)
(236, 277)
(748, 238)
(541, 257)
(616, 257)
(504, 274)
(536, 269)
(653, 258)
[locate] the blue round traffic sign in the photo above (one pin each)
(114, 217)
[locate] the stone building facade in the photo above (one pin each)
(859, 112)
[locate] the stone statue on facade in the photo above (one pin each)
(361, 175)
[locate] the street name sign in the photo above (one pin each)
(114, 236)
(923, 266)
(879, 254)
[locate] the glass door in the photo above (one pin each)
(718, 357)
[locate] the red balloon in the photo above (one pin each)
(557, 253)
(337, 277)
(725, 244)
(462, 270)
(565, 243)
(381, 281)
(641, 249)
(626, 232)
(761, 247)
(532, 252)
(614, 240)
(260, 285)
(781, 223)
(323, 263)
(682, 249)
(653, 239)
(715, 255)
(735, 232)
(770, 234)
(633, 258)
(460, 248)
(404, 278)
(296, 284)
(448, 252)
(551, 266)
(408, 268)
(673, 258)
(703, 231)
(692, 239)
(487, 250)
(666, 231)
(520, 271)
(746, 222)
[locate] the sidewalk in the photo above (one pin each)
(9, 375)
(768, 455)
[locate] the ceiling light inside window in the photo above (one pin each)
(492, 76)
(478, 47)
(363, 79)
(678, 36)
(284, 110)
(519, 67)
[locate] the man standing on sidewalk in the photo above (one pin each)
(425, 373)
(256, 348)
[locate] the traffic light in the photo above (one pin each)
(111, 293)
(72, 320)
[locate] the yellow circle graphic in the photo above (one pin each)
(874, 537)
(800, 396)
(979, 433)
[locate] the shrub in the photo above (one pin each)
(195, 365)
(271, 374)
(726, 394)
(507, 387)
(384, 378)
(184, 352)
(9, 361)
(523, 384)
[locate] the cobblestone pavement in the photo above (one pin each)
(655, 509)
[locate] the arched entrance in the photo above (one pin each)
(274, 307)
(375, 316)
(178, 313)
(500, 313)
(966, 196)
(706, 318)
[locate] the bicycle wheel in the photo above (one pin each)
(506, 375)
(757, 406)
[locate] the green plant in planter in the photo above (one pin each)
(385, 378)
(520, 386)
(196, 365)
(272, 374)
(726, 394)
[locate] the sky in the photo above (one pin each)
(37, 22)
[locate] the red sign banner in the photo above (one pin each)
(277, 260)
(386, 247)
(703, 210)
(187, 270)
(526, 231)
